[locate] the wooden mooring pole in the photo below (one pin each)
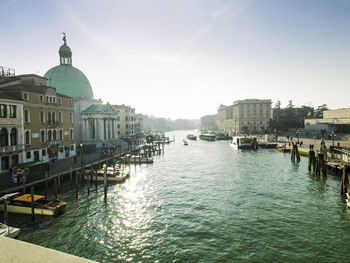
(55, 187)
(311, 160)
(32, 202)
(105, 180)
(46, 182)
(76, 185)
(5, 212)
(71, 178)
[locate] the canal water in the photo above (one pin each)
(204, 202)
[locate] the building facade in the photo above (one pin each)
(333, 121)
(126, 120)
(48, 118)
(11, 131)
(251, 115)
(100, 122)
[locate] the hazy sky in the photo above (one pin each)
(183, 58)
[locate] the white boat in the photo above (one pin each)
(185, 142)
(113, 175)
(207, 137)
(9, 231)
(137, 159)
(242, 142)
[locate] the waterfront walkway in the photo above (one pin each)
(56, 167)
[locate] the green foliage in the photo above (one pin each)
(319, 111)
(289, 117)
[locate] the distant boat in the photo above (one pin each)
(185, 142)
(9, 231)
(207, 137)
(243, 142)
(191, 137)
(137, 159)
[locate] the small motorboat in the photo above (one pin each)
(207, 137)
(137, 159)
(191, 137)
(9, 231)
(21, 204)
(113, 175)
(185, 142)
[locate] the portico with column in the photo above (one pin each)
(99, 122)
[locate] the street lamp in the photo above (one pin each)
(333, 135)
(81, 153)
(297, 133)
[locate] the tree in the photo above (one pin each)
(319, 111)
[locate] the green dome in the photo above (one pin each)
(69, 81)
(64, 49)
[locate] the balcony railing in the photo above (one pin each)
(53, 123)
(54, 142)
(12, 148)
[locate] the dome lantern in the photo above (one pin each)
(65, 52)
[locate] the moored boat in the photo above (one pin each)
(185, 142)
(191, 137)
(243, 142)
(21, 204)
(207, 137)
(9, 231)
(113, 175)
(137, 159)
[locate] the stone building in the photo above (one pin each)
(333, 121)
(100, 122)
(48, 118)
(70, 81)
(126, 125)
(208, 123)
(244, 116)
(11, 131)
(251, 115)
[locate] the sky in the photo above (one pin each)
(183, 58)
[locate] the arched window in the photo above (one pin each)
(4, 140)
(27, 137)
(71, 134)
(26, 116)
(49, 118)
(49, 135)
(61, 135)
(13, 136)
(42, 116)
(53, 118)
(42, 136)
(54, 135)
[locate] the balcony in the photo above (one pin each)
(54, 142)
(53, 123)
(12, 148)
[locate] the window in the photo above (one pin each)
(54, 135)
(49, 135)
(126, 126)
(47, 98)
(42, 116)
(28, 155)
(71, 134)
(126, 118)
(13, 136)
(25, 95)
(59, 101)
(27, 137)
(41, 98)
(61, 135)
(53, 118)
(3, 110)
(50, 99)
(70, 102)
(49, 118)
(118, 118)
(43, 152)
(60, 116)
(13, 111)
(26, 116)
(54, 99)
(5, 163)
(71, 117)
(42, 136)
(118, 125)
(4, 137)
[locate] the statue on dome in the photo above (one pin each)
(64, 38)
